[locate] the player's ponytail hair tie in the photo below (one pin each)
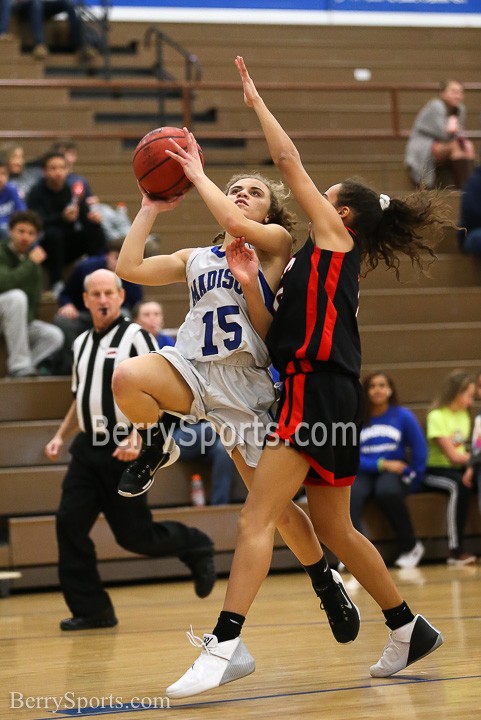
(384, 201)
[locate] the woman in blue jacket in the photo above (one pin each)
(392, 464)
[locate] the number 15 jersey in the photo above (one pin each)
(217, 325)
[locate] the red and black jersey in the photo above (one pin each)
(315, 324)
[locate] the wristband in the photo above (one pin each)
(380, 464)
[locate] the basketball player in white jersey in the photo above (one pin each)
(217, 370)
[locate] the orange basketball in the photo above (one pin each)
(159, 175)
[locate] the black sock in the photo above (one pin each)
(157, 433)
(320, 574)
(398, 616)
(229, 626)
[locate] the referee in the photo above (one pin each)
(99, 453)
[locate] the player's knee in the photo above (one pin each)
(123, 378)
(252, 521)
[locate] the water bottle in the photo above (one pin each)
(197, 494)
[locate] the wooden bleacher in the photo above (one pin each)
(417, 330)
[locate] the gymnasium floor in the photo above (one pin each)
(301, 671)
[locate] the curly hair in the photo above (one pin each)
(412, 226)
(278, 212)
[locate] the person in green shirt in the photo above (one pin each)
(448, 430)
(29, 340)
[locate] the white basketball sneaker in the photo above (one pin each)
(412, 558)
(219, 663)
(406, 645)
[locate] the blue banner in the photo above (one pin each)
(418, 6)
(426, 6)
(297, 12)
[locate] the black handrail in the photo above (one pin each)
(192, 69)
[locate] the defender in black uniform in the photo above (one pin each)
(314, 342)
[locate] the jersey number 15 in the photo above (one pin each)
(229, 327)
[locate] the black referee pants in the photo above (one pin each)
(89, 488)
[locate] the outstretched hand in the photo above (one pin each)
(250, 90)
(243, 262)
(189, 158)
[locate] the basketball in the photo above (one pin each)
(158, 174)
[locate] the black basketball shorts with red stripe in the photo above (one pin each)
(320, 414)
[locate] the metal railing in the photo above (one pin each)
(192, 68)
(186, 89)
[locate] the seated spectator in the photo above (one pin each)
(35, 12)
(448, 428)
(68, 148)
(73, 317)
(115, 221)
(200, 442)
(392, 464)
(29, 340)
(469, 235)
(472, 475)
(71, 229)
(150, 315)
(10, 201)
(438, 142)
(21, 174)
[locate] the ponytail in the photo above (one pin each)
(387, 227)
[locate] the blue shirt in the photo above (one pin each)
(10, 202)
(164, 340)
(395, 435)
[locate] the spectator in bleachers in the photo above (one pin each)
(22, 175)
(10, 200)
(472, 475)
(448, 429)
(469, 235)
(71, 229)
(29, 341)
(73, 317)
(438, 145)
(150, 315)
(392, 464)
(68, 148)
(35, 12)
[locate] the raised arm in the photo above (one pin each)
(269, 238)
(244, 265)
(327, 227)
(157, 270)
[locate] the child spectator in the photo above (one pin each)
(448, 429)
(392, 464)
(21, 174)
(29, 340)
(71, 229)
(150, 315)
(10, 201)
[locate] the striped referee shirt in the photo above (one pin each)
(96, 355)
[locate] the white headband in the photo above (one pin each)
(384, 201)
